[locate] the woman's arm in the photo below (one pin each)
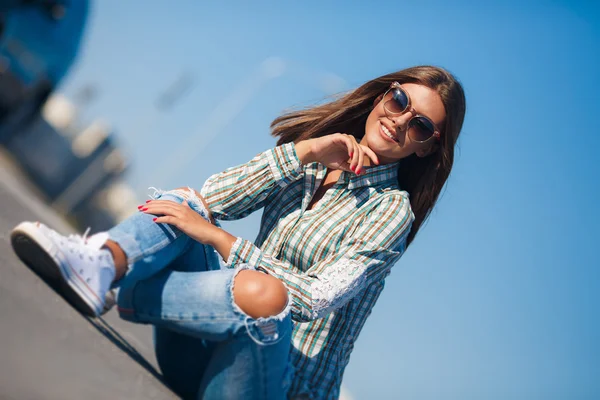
(362, 259)
(239, 191)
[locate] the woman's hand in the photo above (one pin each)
(184, 218)
(337, 151)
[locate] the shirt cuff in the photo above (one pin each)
(284, 163)
(243, 252)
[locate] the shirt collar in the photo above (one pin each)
(372, 176)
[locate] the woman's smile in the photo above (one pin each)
(387, 133)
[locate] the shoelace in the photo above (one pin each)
(75, 243)
(79, 239)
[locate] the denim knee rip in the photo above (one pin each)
(263, 331)
(189, 195)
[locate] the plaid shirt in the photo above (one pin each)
(333, 259)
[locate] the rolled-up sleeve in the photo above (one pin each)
(363, 258)
(241, 190)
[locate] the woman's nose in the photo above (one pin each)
(401, 120)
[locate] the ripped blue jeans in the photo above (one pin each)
(206, 346)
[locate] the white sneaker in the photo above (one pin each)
(76, 266)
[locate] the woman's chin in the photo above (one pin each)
(380, 146)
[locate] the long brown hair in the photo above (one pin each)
(423, 178)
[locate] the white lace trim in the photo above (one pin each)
(341, 281)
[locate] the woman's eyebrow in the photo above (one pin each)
(422, 114)
(412, 104)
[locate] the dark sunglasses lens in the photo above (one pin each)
(400, 101)
(421, 129)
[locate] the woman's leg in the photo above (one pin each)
(149, 247)
(82, 270)
(241, 368)
(251, 354)
(202, 338)
(198, 304)
(183, 359)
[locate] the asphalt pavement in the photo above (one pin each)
(47, 349)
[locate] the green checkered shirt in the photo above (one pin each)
(333, 259)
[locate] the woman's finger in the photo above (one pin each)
(166, 203)
(166, 219)
(371, 154)
(345, 166)
(358, 161)
(356, 158)
(361, 161)
(154, 205)
(164, 209)
(351, 150)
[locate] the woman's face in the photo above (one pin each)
(424, 101)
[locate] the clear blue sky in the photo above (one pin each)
(498, 297)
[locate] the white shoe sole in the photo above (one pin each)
(41, 255)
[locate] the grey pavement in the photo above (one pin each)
(47, 349)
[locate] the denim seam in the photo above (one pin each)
(155, 248)
(132, 259)
(260, 357)
(163, 318)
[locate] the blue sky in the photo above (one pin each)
(498, 296)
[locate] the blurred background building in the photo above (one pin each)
(76, 165)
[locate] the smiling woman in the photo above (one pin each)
(397, 120)
(344, 193)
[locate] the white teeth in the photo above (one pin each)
(387, 132)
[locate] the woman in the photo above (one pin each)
(281, 319)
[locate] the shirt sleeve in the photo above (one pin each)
(239, 191)
(363, 258)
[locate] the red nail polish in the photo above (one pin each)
(144, 209)
(351, 154)
(140, 207)
(148, 201)
(154, 219)
(357, 171)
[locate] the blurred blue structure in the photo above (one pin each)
(71, 166)
(39, 41)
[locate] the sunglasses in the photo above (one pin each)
(420, 128)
